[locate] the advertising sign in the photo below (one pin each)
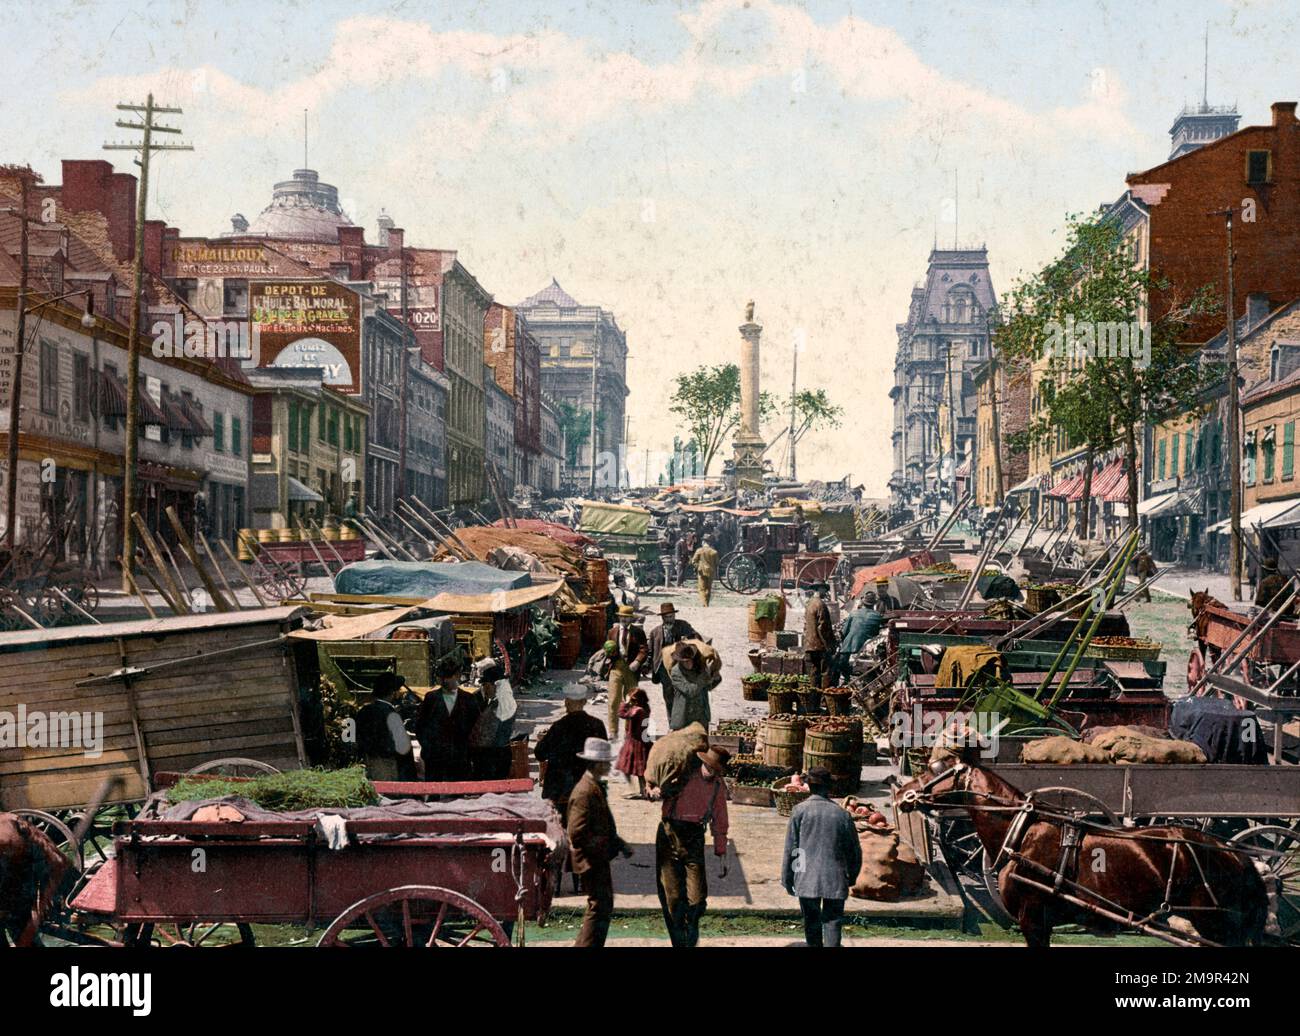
(309, 324)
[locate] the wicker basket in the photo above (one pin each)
(780, 700)
(838, 701)
(786, 800)
(1145, 650)
(754, 690)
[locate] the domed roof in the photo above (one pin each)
(302, 208)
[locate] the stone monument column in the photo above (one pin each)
(748, 444)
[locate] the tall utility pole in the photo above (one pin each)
(952, 424)
(1233, 423)
(145, 148)
(995, 429)
(26, 177)
(595, 367)
(794, 383)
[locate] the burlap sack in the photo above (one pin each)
(668, 763)
(880, 877)
(1103, 737)
(708, 654)
(1061, 750)
(911, 871)
(1129, 749)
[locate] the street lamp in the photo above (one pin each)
(15, 404)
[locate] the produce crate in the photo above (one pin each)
(747, 795)
(1144, 650)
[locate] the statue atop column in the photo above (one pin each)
(748, 444)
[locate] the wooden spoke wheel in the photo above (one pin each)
(415, 915)
(744, 573)
(233, 766)
(56, 831)
(191, 935)
(1276, 853)
(1076, 804)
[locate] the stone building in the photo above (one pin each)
(581, 344)
(943, 341)
(500, 442)
(550, 463)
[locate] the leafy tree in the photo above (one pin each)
(708, 398)
(814, 410)
(1101, 400)
(575, 425)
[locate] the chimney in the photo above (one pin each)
(1283, 112)
(396, 241)
(352, 245)
(1258, 308)
(385, 222)
(154, 229)
(170, 239)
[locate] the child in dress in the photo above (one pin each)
(632, 756)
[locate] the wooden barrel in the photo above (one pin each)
(570, 646)
(760, 628)
(837, 747)
(781, 699)
(595, 627)
(597, 578)
(783, 742)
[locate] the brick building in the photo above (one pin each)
(512, 352)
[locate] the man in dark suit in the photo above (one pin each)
(822, 860)
(594, 841)
(444, 724)
(670, 630)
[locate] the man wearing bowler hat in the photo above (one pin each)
(594, 841)
(632, 651)
(822, 859)
(682, 881)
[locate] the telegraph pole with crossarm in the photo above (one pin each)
(144, 148)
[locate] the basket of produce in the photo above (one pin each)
(782, 695)
(749, 780)
(753, 687)
(1130, 648)
(865, 815)
(789, 792)
(810, 699)
(837, 700)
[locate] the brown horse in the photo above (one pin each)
(1117, 878)
(31, 870)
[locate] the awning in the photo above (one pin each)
(963, 470)
(1153, 505)
(1065, 488)
(1171, 505)
(299, 492)
(1272, 515)
(177, 421)
(1033, 482)
(112, 400)
(1111, 479)
(195, 417)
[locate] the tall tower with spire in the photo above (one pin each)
(1201, 124)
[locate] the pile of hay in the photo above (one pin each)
(482, 540)
(285, 792)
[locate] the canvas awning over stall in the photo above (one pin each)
(1273, 515)
(613, 519)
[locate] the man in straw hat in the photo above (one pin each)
(822, 860)
(631, 651)
(594, 841)
(682, 881)
(886, 601)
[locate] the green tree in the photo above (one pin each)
(575, 425)
(1101, 400)
(813, 410)
(708, 399)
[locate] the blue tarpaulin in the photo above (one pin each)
(425, 579)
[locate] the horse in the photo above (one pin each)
(31, 873)
(1052, 871)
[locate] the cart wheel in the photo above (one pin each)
(744, 574)
(996, 908)
(1277, 856)
(233, 766)
(415, 915)
(198, 934)
(85, 594)
(56, 831)
(1078, 804)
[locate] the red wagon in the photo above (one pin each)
(397, 881)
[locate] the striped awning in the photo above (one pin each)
(177, 421)
(195, 416)
(1112, 479)
(112, 401)
(1066, 487)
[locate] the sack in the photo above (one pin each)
(1102, 737)
(1062, 751)
(880, 877)
(1130, 749)
(669, 762)
(911, 871)
(708, 655)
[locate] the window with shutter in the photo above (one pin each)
(1288, 450)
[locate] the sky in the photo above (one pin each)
(667, 161)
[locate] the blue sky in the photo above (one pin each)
(668, 161)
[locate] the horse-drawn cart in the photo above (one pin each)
(459, 870)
